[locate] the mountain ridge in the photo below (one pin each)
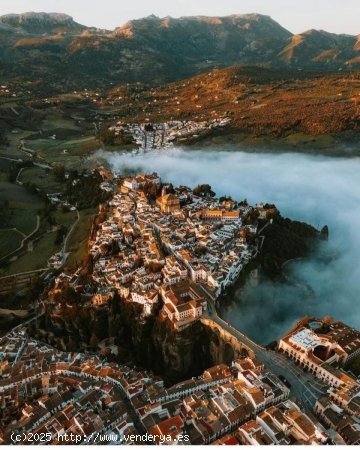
(39, 22)
(59, 54)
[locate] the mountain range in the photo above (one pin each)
(57, 54)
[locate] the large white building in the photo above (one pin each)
(317, 352)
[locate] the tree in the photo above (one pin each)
(61, 232)
(107, 136)
(203, 190)
(225, 198)
(59, 171)
(67, 295)
(354, 366)
(94, 341)
(328, 320)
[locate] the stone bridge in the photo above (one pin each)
(226, 347)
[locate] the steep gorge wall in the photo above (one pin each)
(150, 343)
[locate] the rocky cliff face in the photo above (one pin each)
(151, 344)
(324, 233)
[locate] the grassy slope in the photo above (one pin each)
(10, 240)
(78, 241)
(23, 207)
(22, 211)
(36, 259)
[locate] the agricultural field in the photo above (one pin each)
(42, 249)
(67, 152)
(55, 121)
(57, 133)
(5, 166)
(19, 211)
(43, 178)
(10, 240)
(21, 208)
(37, 252)
(18, 216)
(65, 218)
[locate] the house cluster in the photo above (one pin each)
(5, 91)
(242, 404)
(162, 135)
(175, 246)
(15, 90)
(339, 411)
(284, 424)
(323, 347)
(54, 394)
(47, 392)
(203, 409)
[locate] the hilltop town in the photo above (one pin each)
(156, 244)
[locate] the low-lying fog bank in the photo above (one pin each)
(313, 189)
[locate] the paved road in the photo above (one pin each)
(304, 385)
(22, 325)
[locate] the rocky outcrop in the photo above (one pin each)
(324, 233)
(285, 239)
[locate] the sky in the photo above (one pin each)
(304, 188)
(295, 15)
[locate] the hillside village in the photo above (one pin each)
(163, 135)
